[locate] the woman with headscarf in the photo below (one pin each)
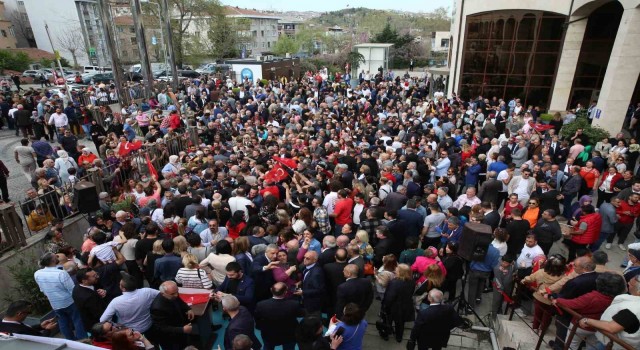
(172, 169)
(63, 164)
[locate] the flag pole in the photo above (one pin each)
(57, 54)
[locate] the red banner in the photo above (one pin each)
(128, 147)
(288, 162)
(276, 174)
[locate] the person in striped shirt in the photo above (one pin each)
(191, 275)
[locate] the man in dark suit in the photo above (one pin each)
(261, 271)
(411, 219)
(90, 301)
(433, 325)
(383, 247)
(329, 248)
(171, 318)
(354, 257)
(397, 232)
(275, 315)
(491, 217)
(353, 290)
(334, 276)
(166, 268)
(313, 287)
(241, 322)
(490, 190)
(238, 284)
(13, 321)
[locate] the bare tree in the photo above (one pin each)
(73, 42)
(23, 28)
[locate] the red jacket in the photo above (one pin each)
(624, 207)
(174, 120)
(617, 177)
(590, 305)
(591, 234)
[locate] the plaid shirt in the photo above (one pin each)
(370, 226)
(322, 218)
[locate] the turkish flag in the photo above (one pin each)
(288, 162)
(128, 147)
(152, 170)
(276, 174)
(542, 127)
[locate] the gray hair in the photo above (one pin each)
(230, 303)
(163, 287)
(329, 241)
(492, 174)
(436, 296)
(258, 249)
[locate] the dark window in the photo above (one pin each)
(511, 53)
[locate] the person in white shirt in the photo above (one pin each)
(213, 234)
(59, 119)
(469, 199)
(529, 252)
(240, 202)
(330, 199)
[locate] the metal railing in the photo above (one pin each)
(521, 297)
(110, 178)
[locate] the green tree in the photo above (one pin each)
(223, 36)
(17, 61)
(286, 44)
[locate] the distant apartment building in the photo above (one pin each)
(260, 30)
(440, 41)
(289, 27)
(15, 12)
(7, 34)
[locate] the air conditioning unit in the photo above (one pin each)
(287, 55)
(268, 58)
(259, 58)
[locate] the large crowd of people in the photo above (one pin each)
(305, 201)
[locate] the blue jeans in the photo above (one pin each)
(68, 321)
(86, 128)
(566, 206)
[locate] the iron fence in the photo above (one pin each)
(57, 202)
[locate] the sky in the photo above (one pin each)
(334, 5)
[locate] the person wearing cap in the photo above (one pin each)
(86, 156)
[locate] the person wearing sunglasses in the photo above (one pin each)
(102, 332)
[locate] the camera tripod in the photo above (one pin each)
(461, 304)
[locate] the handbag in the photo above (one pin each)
(369, 269)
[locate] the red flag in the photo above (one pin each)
(152, 170)
(276, 174)
(288, 162)
(542, 127)
(128, 147)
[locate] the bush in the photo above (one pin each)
(25, 286)
(17, 61)
(594, 133)
(546, 117)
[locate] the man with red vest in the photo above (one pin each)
(627, 212)
(586, 231)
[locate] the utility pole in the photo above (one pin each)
(57, 54)
(109, 36)
(136, 11)
(166, 14)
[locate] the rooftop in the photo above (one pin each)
(35, 54)
(373, 45)
(234, 11)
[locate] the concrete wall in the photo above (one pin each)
(73, 232)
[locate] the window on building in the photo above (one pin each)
(262, 33)
(120, 30)
(132, 30)
(444, 42)
(133, 41)
(3, 33)
(268, 43)
(511, 53)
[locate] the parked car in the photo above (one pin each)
(32, 73)
(188, 73)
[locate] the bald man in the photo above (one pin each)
(277, 314)
(353, 290)
(171, 318)
(313, 290)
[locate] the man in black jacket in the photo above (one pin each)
(13, 321)
(171, 318)
(433, 325)
(275, 316)
(313, 284)
(241, 322)
(383, 247)
(90, 301)
(334, 276)
(570, 190)
(353, 290)
(261, 271)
